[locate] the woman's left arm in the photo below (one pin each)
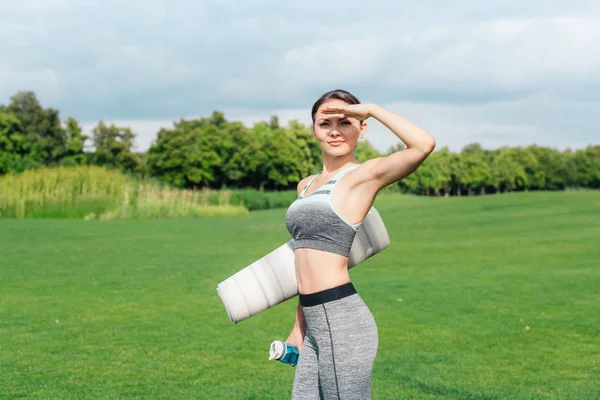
(382, 171)
(419, 143)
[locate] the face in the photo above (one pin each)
(337, 136)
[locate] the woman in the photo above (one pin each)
(334, 330)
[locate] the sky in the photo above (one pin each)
(499, 72)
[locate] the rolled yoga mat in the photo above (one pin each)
(271, 280)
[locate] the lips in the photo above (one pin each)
(336, 142)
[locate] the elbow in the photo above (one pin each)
(428, 146)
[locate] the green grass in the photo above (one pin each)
(91, 192)
(128, 309)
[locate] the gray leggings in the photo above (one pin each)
(341, 342)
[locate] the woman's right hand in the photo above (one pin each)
(296, 338)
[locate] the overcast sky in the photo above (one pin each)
(499, 72)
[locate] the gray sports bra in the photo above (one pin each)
(315, 224)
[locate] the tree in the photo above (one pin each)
(443, 166)
(112, 148)
(365, 151)
(274, 123)
(283, 165)
(44, 138)
(243, 158)
(474, 172)
(556, 169)
(214, 152)
(307, 145)
(12, 143)
(192, 153)
(74, 154)
(587, 164)
(429, 175)
(176, 157)
(530, 175)
(507, 173)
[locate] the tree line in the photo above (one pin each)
(216, 153)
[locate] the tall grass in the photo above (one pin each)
(147, 201)
(92, 192)
(97, 193)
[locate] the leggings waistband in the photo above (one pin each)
(327, 295)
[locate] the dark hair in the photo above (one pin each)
(338, 94)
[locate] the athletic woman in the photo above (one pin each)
(334, 329)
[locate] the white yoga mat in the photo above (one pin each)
(271, 279)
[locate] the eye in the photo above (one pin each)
(323, 124)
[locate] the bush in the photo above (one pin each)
(262, 200)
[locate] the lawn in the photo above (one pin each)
(493, 297)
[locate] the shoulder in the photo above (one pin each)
(303, 183)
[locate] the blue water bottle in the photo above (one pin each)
(284, 352)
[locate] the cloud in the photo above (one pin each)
(514, 54)
(532, 120)
(458, 67)
(492, 59)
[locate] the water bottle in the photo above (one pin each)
(284, 352)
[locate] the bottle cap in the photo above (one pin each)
(277, 350)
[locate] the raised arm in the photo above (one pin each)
(419, 144)
(382, 171)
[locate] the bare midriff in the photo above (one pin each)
(318, 270)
